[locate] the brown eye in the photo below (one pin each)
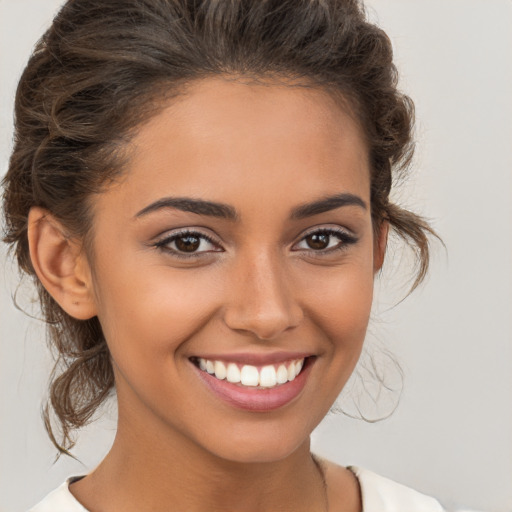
(318, 241)
(326, 241)
(188, 243)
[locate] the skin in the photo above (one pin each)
(264, 150)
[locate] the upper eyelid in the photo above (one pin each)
(172, 234)
(328, 229)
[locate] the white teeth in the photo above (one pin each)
(220, 370)
(249, 375)
(266, 377)
(233, 373)
(282, 374)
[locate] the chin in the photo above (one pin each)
(258, 453)
(260, 444)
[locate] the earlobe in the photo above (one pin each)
(60, 264)
(381, 241)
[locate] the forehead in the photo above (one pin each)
(277, 107)
(223, 137)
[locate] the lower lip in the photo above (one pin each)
(257, 399)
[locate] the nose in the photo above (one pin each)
(262, 301)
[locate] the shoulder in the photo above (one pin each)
(380, 494)
(60, 500)
(376, 493)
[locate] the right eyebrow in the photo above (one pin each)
(187, 204)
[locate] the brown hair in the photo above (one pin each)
(99, 72)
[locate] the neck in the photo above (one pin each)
(147, 471)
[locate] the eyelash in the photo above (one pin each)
(345, 238)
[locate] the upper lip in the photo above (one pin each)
(255, 359)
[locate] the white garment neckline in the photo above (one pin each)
(378, 494)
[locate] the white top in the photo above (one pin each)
(379, 494)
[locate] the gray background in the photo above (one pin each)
(452, 433)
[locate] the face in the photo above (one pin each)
(233, 267)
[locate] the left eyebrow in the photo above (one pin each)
(326, 204)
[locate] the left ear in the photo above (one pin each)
(380, 243)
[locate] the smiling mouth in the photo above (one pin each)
(250, 376)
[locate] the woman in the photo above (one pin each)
(201, 192)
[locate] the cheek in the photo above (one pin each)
(148, 322)
(160, 307)
(341, 304)
(340, 314)
(151, 315)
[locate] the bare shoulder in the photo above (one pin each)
(343, 491)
